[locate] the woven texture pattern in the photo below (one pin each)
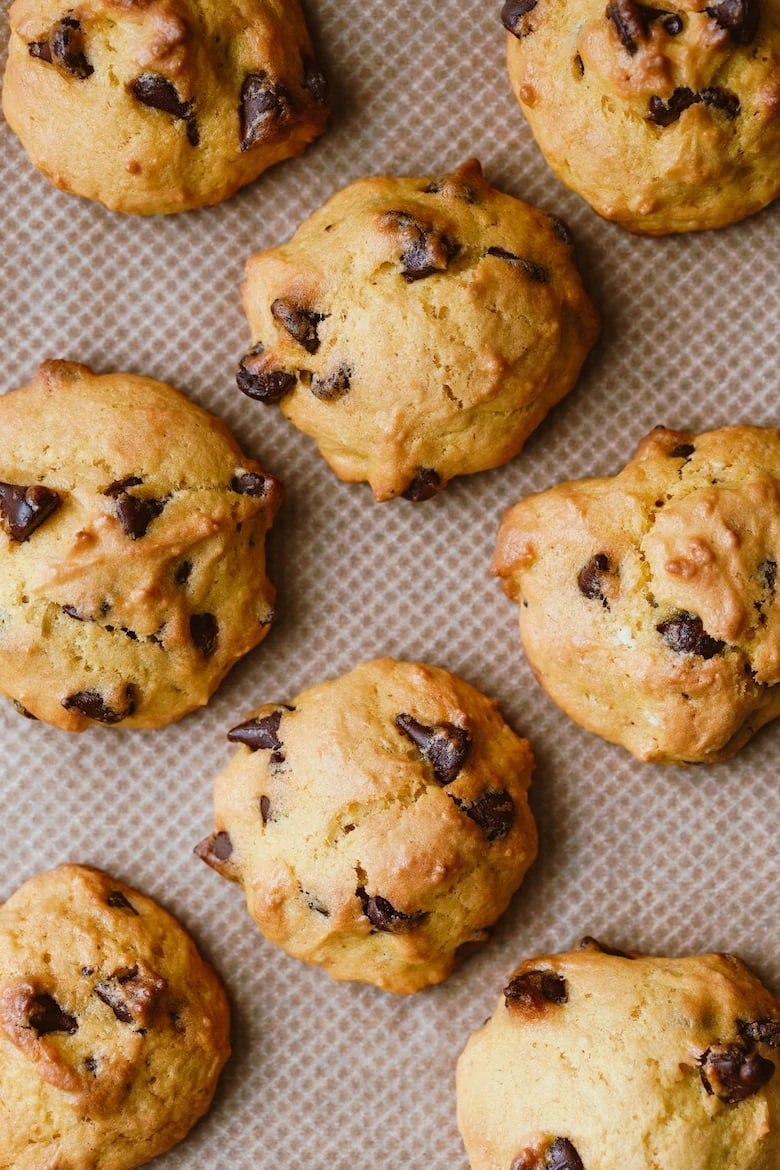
(664, 860)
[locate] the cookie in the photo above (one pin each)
(417, 328)
(132, 566)
(113, 1030)
(649, 602)
(663, 119)
(154, 106)
(379, 825)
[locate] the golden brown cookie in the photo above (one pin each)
(607, 1060)
(113, 1030)
(161, 105)
(377, 824)
(664, 119)
(132, 563)
(417, 328)
(649, 603)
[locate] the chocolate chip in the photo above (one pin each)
(334, 386)
(424, 486)
(250, 484)
(761, 1032)
(182, 573)
(563, 1156)
(268, 386)
(494, 813)
(259, 734)
(627, 19)
(383, 915)
(314, 80)
(23, 710)
(732, 1073)
(683, 451)
(590, 579)
(93, 706)
(444, 745)
(264, 105)
(23, 509)
(300, 323)
(118, 901)
(671, 21)
(222, 846)
(513, 16)
(46, 1015)
(64, 48)
(767, 575)
(135, 514)
(721, 99)
(203, 631)
(740, 17)
(665, 113)
(533, 990)
(536, 272)
(561, 228)
(120, 486)
(593, 944)
(132, 995)
(41, 50)
(265, 809)
(152, 89)
(685, 634)
(426, 251)
(217, 851)
(91, 1065)
(314, 903)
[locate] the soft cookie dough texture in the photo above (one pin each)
(377, 824)
(650, 603)
(417, 328)
(161, 105)
(606, 1060)
(665, 118)
(132, 561)
(113, 1030)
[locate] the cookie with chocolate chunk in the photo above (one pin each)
(417, 328)
(664, 118)
(379, 824)
(132, 561)
(113, 1030)
(154, 106)
(600, 1059)
(650, 602)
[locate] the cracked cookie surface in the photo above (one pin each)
(650, 602)
(666, 118)
(113, 1030)
(417, 328)
(132, 559)
(156, 106)
(610, 1060)
(378, 823)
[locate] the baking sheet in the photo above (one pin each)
(673, 861)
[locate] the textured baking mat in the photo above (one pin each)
(668, 860)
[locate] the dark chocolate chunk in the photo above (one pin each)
(590, 579)
(315, 81)
(264, 106)
(740, 17)
(265, 809)
(671, 21)
(120, 486)
(136, 514)
(732, 1073)
(66, 41)
(535, 272)
(721, 99)
(22, 710)
(118, 901)
(41, 50)
(204, 631)
(593, 944)
(767, 575)
(513, 16)
(761, 1032)
(217, 851)
(251, 484)
(93, 706)
(222, 846)
(152, 89)
(494, 813)
(626, 16)
(562, 1156)
(132, 995)
(182, 573)
(383, 915)
(424, 486)
(23, 509)
(46, 1015)
(91, 1065)
(300, 323)
(72, 612)
(683, 451)
(533, 990)
(270, 386)
(685, 634)
(562, 230)
(444, 745)
(426, 251)
(334, 386)
(665, 113)
(259, 734)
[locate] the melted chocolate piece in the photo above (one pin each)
(426, 251)
(665, 113)
(335, 386)
(264, 105)
(494, 813)
(24, 509)
(136, 514)
(270, 386)
(182, 573)
(315, 81)
(563, 1156)
(300, 323)
(41, 50)
(46, 1016)
(683, 451)
(152, 89)
(221, 846)
(534, 990)
(93, 706)
(120, 486)
(685, 634)
(424, 486)
(561, 229)
(217, 851)
(445, 746)
(626, 16)
(732, 1073)
(761, 1032)
(204, 631)
(64, 48)
(589, 580)
(118, 901)
(265, 809)
(250, 484)
(513, 16)
(740, 17)
(383, 915)
(536, 272)
(261, 734)
(132, 995)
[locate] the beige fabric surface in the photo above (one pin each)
(340, 1077)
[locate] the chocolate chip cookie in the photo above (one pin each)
(379, 823)
(600, 1059)
(650, 603)
(664, 119)
(132, 563)
(113, 1030)
(161, 105)
(417, 328)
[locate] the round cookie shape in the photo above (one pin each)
(610, 1060)
(156, 106)
(113, 1030)
(650, 602)
(417, 328)
(132, 562)
(665, 119)
(379, 824)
